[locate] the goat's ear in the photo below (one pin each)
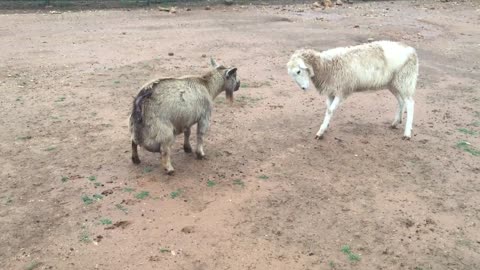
(213, 63)
(230, 72)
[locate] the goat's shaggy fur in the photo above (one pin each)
(339, 72)
(167, 107)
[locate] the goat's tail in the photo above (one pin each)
(136, 120)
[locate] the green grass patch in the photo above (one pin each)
(60, 99)
(142, 195)
(24, 138)
(97, 184)
(467, 147)
(164, 250)
(97, 197)
(467, 131)
(476, 124)
(105, 221)
(116, 82)
(129, 190)
(239, 182)
(176, 193)
(92, 178)
(64, 179)
(350, 255)
(51, 148)
(87, 200)
(8, 201)
(33, 265)
(85, 237)
(121, 208)
(211, 183)
(263, 177)
(331, 264)
(147, 169)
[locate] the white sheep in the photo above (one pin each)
(339, 72)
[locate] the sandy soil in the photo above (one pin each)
(269, 196)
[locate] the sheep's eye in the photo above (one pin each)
(298, 72)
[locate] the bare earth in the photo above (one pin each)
(269, 196)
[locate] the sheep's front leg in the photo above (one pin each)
(331, 106)
(202, 128)
(409, 125)
(186, 145)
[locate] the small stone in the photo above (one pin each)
(188, 9)
(204, 55)
(208, 8)
(173, 10)
(171, 54)
(316, 5)
(356, 26)
(370, 39)
(339, 3)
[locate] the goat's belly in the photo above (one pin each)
(152, 147)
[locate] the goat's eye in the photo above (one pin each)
(298, 72)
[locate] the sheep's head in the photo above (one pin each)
(231, 84)
(300, 71)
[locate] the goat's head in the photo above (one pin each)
(231, 84)
(300, 71)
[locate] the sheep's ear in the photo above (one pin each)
(213, 63)
(230, 72)
(302, 65)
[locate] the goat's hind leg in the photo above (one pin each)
(186, 145)
(409, 123)
(166, 162)
(135, 158)
(202, 128)
(332, 104)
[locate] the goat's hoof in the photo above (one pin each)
(318, 137)
(187, 149)
(170, 172)
(135, 160)
(406, 138)
(200, 156)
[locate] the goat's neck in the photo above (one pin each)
(215, 84)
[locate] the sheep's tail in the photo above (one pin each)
(137, 114)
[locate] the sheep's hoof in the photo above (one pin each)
(406, 138)
(170, 172)
(200, 156)
(318, 137)
(187, 149)
(135, 160)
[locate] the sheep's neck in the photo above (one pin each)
(321, 69)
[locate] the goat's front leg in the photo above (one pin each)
(202, 128)
(332, 104)
(186, 144)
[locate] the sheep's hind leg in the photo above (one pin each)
(186, 145)
(409, 125)
(135, 158)
(332, 104)
(202, 128)
(399, 113)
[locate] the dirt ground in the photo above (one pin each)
(268, 196)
